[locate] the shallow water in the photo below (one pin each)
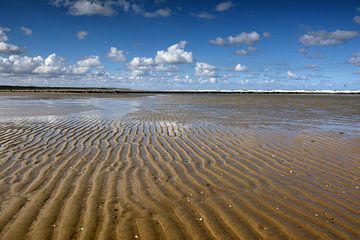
(328, 111)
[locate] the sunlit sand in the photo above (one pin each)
(179, 167)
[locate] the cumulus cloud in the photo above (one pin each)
(204, 15)
(84, 7)
(82, 35)
(355, 59)
(141, 66)
(138, 9)
(7, 48)
(85, 65)
(242, 38)
(323, 38)
(164, 61)
(240, 68)
(244, 52)
(292, 75)
(51, 65)
(224, 6)
(175, 54)
(108, 8)
(3, 36)
(140, 62)
(26, 31)
(357, 19)
(203, 69)
(19, 64)
(116, 55)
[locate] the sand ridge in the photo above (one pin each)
(174, 175)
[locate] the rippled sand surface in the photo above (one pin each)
(180, 167)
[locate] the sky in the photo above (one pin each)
(181, 44)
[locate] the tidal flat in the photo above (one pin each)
(179, 166)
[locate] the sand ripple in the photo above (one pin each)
(159, 177)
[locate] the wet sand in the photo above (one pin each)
(180, 167)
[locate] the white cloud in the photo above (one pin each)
(4, 29)
(266, 34)
(203, 69)
(204, 15)
(26, 31)
(175, 54)
(7, 48)
(224, 6)
(166, 68)
(292, 75)
(164, 61)
(139, 62)
(244, 52)
(141, 66)
(242, 38)
(323, 38)
(85, 7)
(19, 64)
(243, 81)
(52, 65)
(82, 35)
(184, 79)
(240, 68)
(163, 12)
(241, 52)
(246, 38)
(108, 8)
(3, 36)
(355, 59)
(85, 65)
(116, 55)
(357, 19)
(218, 41)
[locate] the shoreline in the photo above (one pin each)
(25, 89)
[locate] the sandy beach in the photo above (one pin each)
(190, 166)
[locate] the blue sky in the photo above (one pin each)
(159, 44)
